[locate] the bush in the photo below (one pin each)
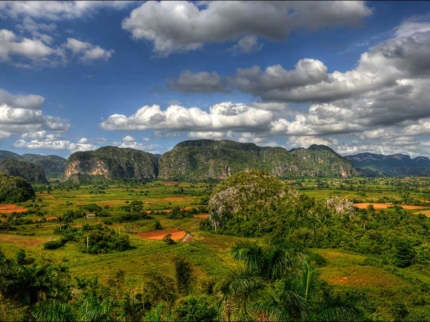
(53, 244)
(168, 239)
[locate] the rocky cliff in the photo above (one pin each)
(209, 159)
(111, 163)
(31, 172)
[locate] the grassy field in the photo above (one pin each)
(209, 253)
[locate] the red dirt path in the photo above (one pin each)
(9, 208)
(202, 216)
(159, 234)
(386, 205)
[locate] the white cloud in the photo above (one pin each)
(306, 141)
(87, 51)
(222, 116)
(130, 142)
(26, 52)
(21, 114)
(183, 26)
(247, 44)
(32, 49)
(56, 10)
(211, 135)
(21, 101)
(44, 141)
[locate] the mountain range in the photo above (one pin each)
(198, 160)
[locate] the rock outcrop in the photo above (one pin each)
(111, 163)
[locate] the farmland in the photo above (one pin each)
(177, 208)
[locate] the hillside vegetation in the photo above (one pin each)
(210, 159)
(29, 171)
(14, 189)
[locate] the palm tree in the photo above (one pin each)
(29, 285)
(237, 291)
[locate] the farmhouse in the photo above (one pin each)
(90, 216)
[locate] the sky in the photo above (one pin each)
(77, 75)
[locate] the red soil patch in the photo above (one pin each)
(51, 218)
(202, 216)
(174, 199)
(9, 208)
(159, 234)
(169, 183)
(386, 205)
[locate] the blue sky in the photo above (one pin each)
(75, 76)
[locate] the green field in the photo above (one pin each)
(209, 253)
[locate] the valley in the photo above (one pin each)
(179, 208)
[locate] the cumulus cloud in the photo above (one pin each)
(211, 135)
(21, 101)
(38, 51)
(87, 51)
(222, 116)
(43, 141)
(21, 114)
(306, 141)
(183, 26)
(396, 62)
(203, 82)
(33, 49)
(247, 44)
(56, 10)
(130, 142)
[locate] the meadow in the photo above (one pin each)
(208, 253)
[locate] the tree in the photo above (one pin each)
(184, 275)
(195, 309)
(20, 257)
(29, 285)
(168, 239)
(404, 254)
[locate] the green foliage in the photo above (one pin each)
(168, 239)
(184, 275)
(14, 189)
(53, 244)
(404, 255)
(194, 309)
(98, 239)
(20, 257)
(29, 171)
(214, 159)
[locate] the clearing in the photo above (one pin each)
(9, 208)
(385, 206)
(159, 234)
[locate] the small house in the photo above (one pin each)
(90, 216)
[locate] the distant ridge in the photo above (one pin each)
(392, 165)
(53, 165)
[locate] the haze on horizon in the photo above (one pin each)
(79, 75)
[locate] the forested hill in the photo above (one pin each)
(31, 172)
(396, 164)
(217, 159)
(53, 165)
